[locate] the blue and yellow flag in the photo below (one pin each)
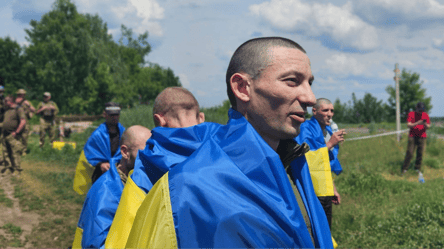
(319, 158)
(97, 149)
(99, 209)
(231, 191)
(157, 151)
(334, 162)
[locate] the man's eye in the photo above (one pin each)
(292, 81)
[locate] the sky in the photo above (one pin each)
(353, 45)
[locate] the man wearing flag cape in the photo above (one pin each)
(101, 147)
(103, 198)
(174, 107)
(225, 185)
(323, 156)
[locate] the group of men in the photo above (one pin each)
(15, 113)
(262, 180)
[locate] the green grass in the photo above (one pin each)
(4, 199)
(380, 208)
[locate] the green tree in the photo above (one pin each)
(410, 93)
(152, 80)
(11, 65)
(72, 56)
(365, 110)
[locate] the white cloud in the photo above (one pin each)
(398, 11)
(316, 19)
(140, 15)
(345, 64)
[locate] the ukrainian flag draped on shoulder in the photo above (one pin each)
(232, 191)
(157, 152)
(99, 209)
(318, 158)
(97, 149)
(334, 162)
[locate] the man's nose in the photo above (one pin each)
(307, 96)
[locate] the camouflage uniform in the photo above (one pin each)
(47, 121)
(13, 145)
(2, 112)
(28, 114)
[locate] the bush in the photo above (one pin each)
(432, 163)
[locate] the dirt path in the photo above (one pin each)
(14, 215)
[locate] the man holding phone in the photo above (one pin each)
(418, 121)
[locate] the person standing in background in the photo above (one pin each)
(29, 110)
(13, 126)
(48, 111)
(418, 121)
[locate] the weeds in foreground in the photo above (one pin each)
(4, 199)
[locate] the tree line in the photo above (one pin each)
(369, 109)
(72, 56)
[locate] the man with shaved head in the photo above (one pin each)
(323, 143)
(226, 186)
(176, 107)
(103, 198)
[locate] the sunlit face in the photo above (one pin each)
(324, 114)
(182, 117)
(280, 96)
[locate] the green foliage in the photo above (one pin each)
(379, 207)
(4, 199)
(410, 93)
(11, 65)
(432, 163)
(138, 115)
(217, 114)
(365, 110)
(72, 56)
(12, 229)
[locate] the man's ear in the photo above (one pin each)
(313, 109)
(241, 86)
(201, 117)
(124, 150)
(161, 120)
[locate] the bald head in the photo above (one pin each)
(135, 137)
(252, 57)
(176, 107)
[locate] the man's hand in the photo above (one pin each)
(104, 166)
(337, 198)
(336, 138)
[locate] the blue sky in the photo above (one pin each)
(353, 45)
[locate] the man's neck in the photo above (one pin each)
(124, 166)
(322, 126)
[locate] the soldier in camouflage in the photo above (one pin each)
(2, 112)
(29, 110)
(48, 111)
(13, 126)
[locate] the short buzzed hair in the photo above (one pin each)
(252, 57)
(321, 101)
(172, 99)
(130, 135)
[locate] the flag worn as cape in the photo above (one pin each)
(318, 158)
(334, 162)
(184, 142)
(97, 149)
(232, 191)
(99, 209)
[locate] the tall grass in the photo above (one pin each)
(380, 208)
